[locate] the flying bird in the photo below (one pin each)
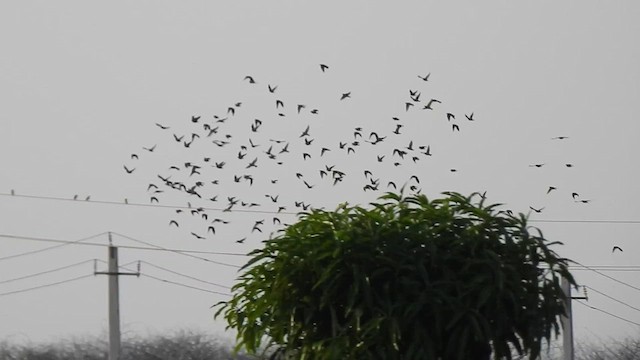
(455, 127)
(150, 149)
(253, 163)
(129, 171)
(428, 106)
(450, 116)
(559, 138)
(197, 236)
(551, 188)
(616, 248)
(173, 222)
(425, 78)
(469, 117)
(536, 210)
(305, 132)
(272, 89)
(162, 126)
(250, 78)
(323, 67)
(345, 95)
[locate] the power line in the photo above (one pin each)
(105, 202)
(608, 277)
(608, 313)
(178, 252)
(275, 212)
(617, 268)
(187, 276)
(66, 242)
(46, 272)
(45, 285)
(614, 299)
(586, 221)
(183, 285)
(50, 248)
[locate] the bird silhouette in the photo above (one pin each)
(129, 171)
(345, 95)
(425, 78)
(305, 132)
(469, 117)
(551, 188)
(429, 104)
(272, 89)
(323, 67)
(616, 248)
(536, 210)
(250, 78)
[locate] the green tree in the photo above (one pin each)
(407, 278)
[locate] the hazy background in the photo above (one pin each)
(83, 83)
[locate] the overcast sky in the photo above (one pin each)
(83, 85)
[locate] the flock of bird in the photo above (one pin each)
(261, 173)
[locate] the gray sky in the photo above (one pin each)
(84, 83)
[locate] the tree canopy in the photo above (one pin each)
(406, 278)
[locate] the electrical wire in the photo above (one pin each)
(104, 202)
(608, 277)
(50, 248)
(179, 252)
(66, 242)
(187, 276)
(45, 285)
(608, 313)
(614, 299)
(184, 285)
(619, 268)
(275, 212)
(46, 271)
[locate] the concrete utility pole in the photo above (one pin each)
(567, 321)
(114, 300)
